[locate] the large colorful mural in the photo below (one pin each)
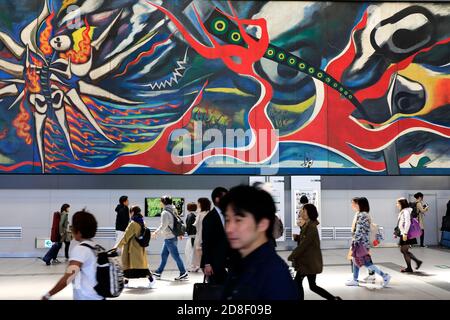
(224, 87)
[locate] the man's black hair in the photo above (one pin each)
(123, 199)
(84, 222)
(218, 192)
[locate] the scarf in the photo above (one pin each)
(138, 218)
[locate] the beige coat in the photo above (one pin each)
(421, 210)
(198, 224)
(133, 255)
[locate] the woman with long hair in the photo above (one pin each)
(360, 244)
(401, 231)
(204, 206)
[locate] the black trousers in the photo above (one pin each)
(422, 237)
(312, 285)
(66, 249)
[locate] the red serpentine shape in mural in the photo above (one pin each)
(144, 54)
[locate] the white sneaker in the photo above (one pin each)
(369, 279)
(151, 284)
(352, 283)
(386, 279)
(183, 276)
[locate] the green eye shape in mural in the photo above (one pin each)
(281, 56)
(270, 52)
(235, 37)
(219, 26)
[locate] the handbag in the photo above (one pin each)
(397, 232)
(414, 229)
(207, 291)
(359, 250)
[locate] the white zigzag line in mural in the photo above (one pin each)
(176, 75)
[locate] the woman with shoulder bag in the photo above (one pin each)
(360, 244)
(371, 276)
(307, 257)
(401, 231)
(134, 256)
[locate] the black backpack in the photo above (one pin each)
(190, 229)
(414, 212)
(179, 229)
(110, 282)
(144, 237)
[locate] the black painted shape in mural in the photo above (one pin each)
(404, 41)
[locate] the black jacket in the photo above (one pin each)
(190, 229)
(262, 275)
(122, 217)
(215, 247)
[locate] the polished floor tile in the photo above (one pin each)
(30, 278)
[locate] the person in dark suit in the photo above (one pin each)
(259, 273)
(215, 247)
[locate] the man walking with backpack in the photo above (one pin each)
(171, 228)
(82, 269)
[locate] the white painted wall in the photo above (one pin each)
(32, 210)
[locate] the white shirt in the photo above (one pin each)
(404, 220)
(85, 280)
(222, 218)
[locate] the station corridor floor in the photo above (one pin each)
(30, 278)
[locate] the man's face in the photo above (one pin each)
(126, 203)
(242, 232)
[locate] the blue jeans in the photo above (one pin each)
(170, 246)
(369, 265)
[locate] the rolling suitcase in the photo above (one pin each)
(445, 239)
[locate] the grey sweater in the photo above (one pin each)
(167, 221)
